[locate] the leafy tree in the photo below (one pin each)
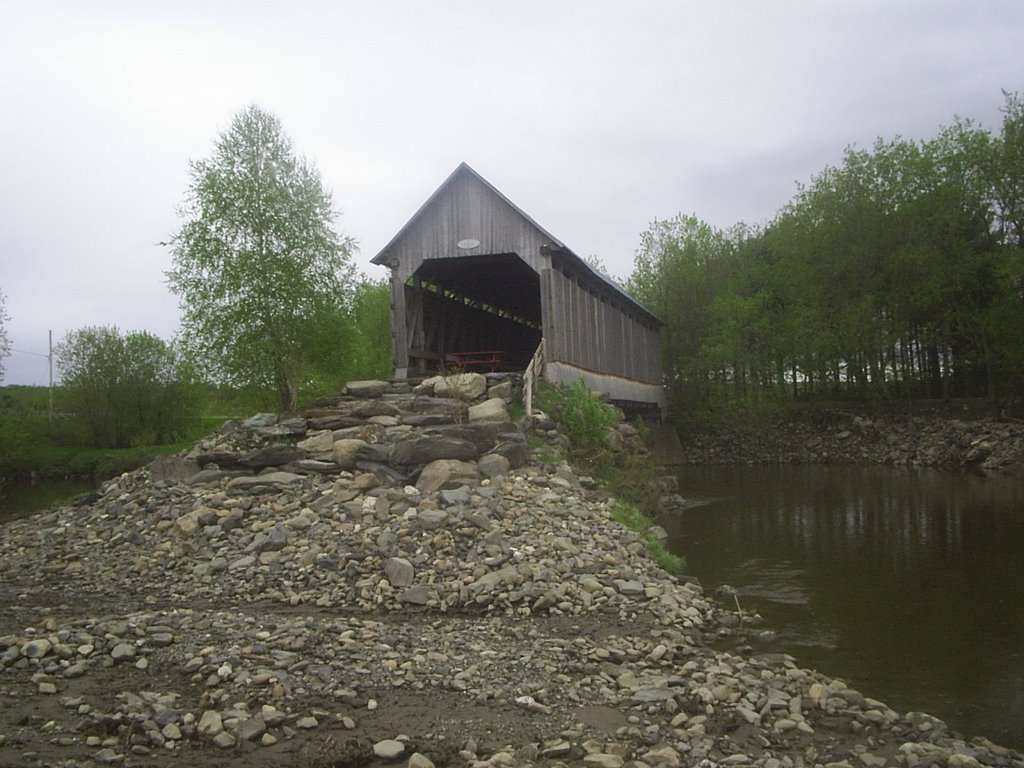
(5, 342)
(678, 271)
(1006, 315)
(897, 273)
(371, 331)
(351, 344)
(130, 390)
(257, 267)
(1008, 172)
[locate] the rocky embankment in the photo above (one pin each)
(944, 437)
(394, 577)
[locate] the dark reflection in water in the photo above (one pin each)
(21, 499)
(907, 584)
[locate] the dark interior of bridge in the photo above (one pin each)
(473, 304)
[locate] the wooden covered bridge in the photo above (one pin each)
(476, 283)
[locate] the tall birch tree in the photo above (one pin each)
(257, 264)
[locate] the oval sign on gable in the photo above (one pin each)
(468, 244)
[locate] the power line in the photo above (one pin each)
(26, 352)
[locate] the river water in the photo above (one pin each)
(20, 499)
(908, 585)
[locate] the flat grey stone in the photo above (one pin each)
(36, 649)
(493, 409)
(251, 728)
(123, 652)
(369, 388)
(629, 587)
(268, 481)
(418, 595)
(389, 749)
(431, 519)
(455, 496)
(399, 571)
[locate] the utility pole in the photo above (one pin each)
(49, 359)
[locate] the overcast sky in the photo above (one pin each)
(593, 117)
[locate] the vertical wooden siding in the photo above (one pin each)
(592, 331)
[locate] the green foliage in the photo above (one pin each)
(33, 445)
(582, 415)
(129, 390)
(631, 517)
(264, 281)
(897, 273)
(354, 345)
(5, 342)
(371, 331)
(221, 402)
(22, 400)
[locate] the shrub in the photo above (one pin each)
(129, 389)
(582, 416)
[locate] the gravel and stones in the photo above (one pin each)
(225, 609)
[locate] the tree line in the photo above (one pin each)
(898, 273)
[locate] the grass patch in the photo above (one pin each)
(630, 516)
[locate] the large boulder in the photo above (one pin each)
(426, 448)
(371, 388)
(346, 452)
(447, 473)
(399, 571)
(513, 447)
(483, 434)
(172, 469)
(273, 456)
(489, 410)
(494, 464)
(462, 386)
(504, 390)
(319, 444)
(426, 387)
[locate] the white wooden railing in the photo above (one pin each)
(534, 373)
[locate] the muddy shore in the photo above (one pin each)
(395, 579)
